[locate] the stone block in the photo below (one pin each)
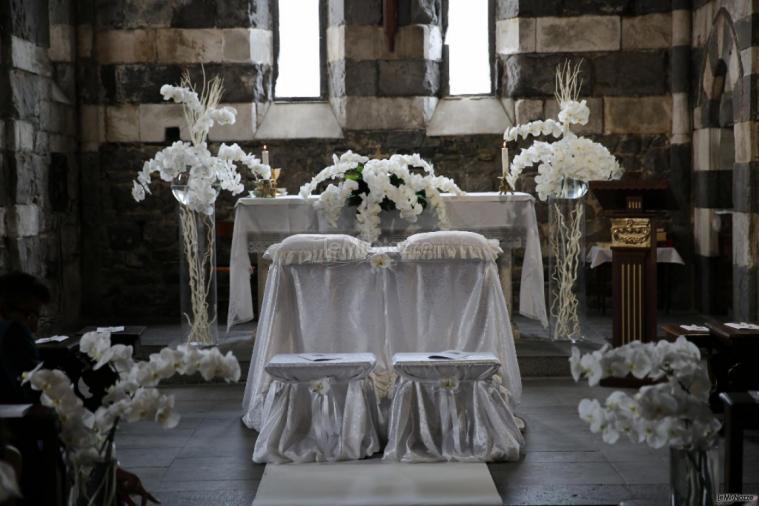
(61, 43)
(408, 78)
(412, 41)
(420, 12)
(681, 27)
(680, 63)
(627, 73)
(527, 110)
(745, 238)
(131, 14)
(360, 78)
(194, 14)
(712, 189)
(747, 31)
(189, 46)
(384, 113)
(745, 190)
(680, 114)
(468, 116)
(746, 141)
(91, 126)
(27, 19)
(299, 120)
(156, 118)
(243, 13)
(362, 12)
(532, 74)
(246, 45)
(595, 122)
(704, 232)
(22, 135)
(702, 23)
(335, 43)
(515, 35)
(30, 57)
(750, 60)
(27, 220)
(244, 128)
(651, 31)
(574, 34)
(637, 115)
(26, 93)
(122, 123)
(126, 46)
(84, 39)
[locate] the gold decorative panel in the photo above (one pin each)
(631, 232)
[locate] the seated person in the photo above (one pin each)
(22, 297)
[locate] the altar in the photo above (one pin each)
(510, 218)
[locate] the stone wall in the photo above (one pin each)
(39, 175)
(649, 71)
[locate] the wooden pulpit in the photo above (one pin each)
(634, 208)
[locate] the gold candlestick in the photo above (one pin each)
(503, 186)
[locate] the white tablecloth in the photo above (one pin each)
(350, 307)
(259, 223)
(665, 255)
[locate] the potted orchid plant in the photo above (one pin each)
(672, 411)
(196, 177)
(406, 183)
(88, 436)
(564, 167)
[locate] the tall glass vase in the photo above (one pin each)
(197, 238)
(566, 235)
(694, 476)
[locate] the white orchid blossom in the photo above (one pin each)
(207, 174)
(131, 398)
(381, 178)
(675, 411)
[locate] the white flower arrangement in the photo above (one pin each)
(568, 157)
(206, 174)
(674, 412)
(376, 184)
(88, 435)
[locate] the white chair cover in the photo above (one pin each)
(319, 411)
(356, 307)
(450, 410)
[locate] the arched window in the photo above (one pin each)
(299, 66)
(468, 47)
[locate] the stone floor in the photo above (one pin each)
(206, 460)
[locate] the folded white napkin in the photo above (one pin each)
(695, 328)
(51, 339)
(110, 329)
(743, 326)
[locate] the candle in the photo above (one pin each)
(265, 156)
(505, 159)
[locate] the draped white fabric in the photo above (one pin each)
(319, 411)
(410, 306)
(450, 410)
(259, 223)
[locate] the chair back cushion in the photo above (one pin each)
(448, 244)
(318, 248)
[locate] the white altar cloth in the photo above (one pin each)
(510, 218)
(410, 306)
(664, 255)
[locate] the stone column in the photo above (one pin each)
(372, 88)
(39, 219)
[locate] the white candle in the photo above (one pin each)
(265, 156)
(505, 159)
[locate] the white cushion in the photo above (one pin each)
(318, 248)
(449, 244)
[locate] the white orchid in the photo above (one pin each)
(207, 174)
(569, 156)
(673, 412)
(132, 397)
(383, 180)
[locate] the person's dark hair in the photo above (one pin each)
(22, 287)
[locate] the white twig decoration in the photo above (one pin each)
(566, 246)
(200, 266)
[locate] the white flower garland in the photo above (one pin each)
(376, 174)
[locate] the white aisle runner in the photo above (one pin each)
(375, 483)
